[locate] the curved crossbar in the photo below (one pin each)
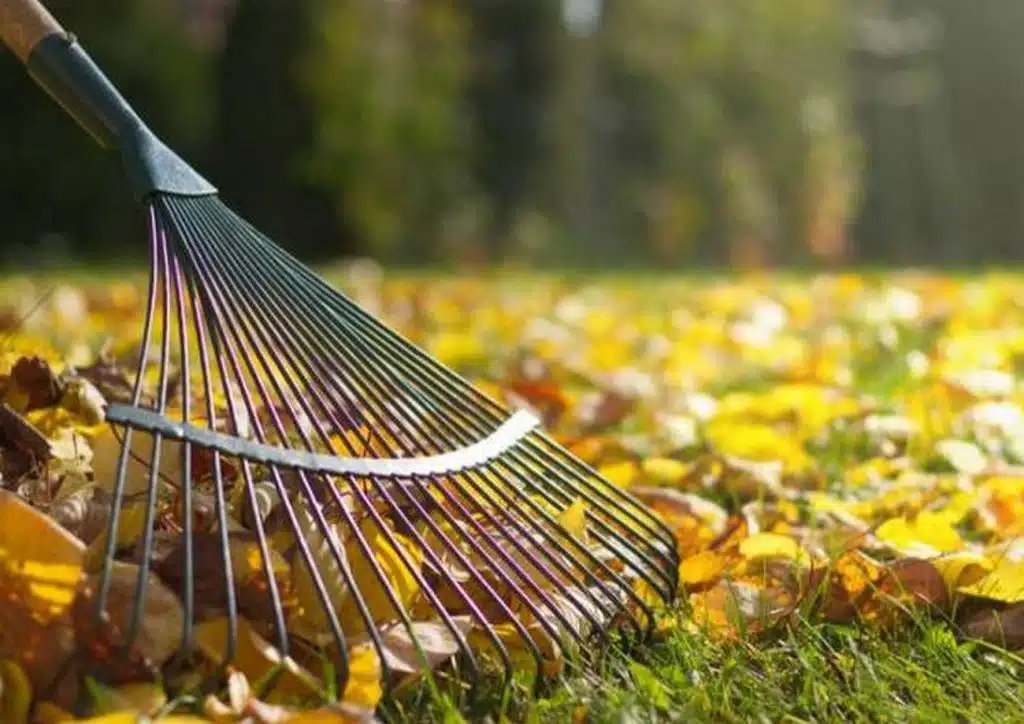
(514, 429)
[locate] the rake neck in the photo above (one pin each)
(62, 68)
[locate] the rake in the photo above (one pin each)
(398, 492)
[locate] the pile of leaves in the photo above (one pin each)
(840, 448)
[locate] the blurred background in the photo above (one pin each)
(615, 133)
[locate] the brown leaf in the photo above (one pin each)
(32, 385)
(109, 379)
(84, 513)
(612, 409)
(910, 585)
(1001, 626)
(22, 444)
(161, 623)
(250, 581)
(437, 642)
(546, 398)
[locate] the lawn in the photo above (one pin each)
(841, 459)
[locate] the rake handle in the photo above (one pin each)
(23, 23)
(61, 67)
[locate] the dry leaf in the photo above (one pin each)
(255, 657)
(438, 644)
(1001, 626)
(574, 519)
(15, 693)
(159, 634)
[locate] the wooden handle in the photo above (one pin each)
(23, 23)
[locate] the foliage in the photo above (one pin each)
(387, 82)
(734, 125)
(840, 460)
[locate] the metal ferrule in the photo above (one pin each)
(60, 65)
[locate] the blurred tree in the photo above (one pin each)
(265, 126)
(983, 70)
(392, 138)
(63, 197)
(722, 121)
(513, 45)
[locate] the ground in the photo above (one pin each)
(840, 457)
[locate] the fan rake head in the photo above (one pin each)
(378, 499)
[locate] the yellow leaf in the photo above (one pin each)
(15, 693)
(622, 473)
(770, 545)
(962, 568)
(758, 443)
(47, 713)
(932, 531)
(389, 560)
(247, 560)
(130, 527)
(703, 568)
(38, 558)
(574, 519)
(664, 471)
(1005, 582)
(255, 657)
(363, 689)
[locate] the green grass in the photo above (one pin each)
(804, 673)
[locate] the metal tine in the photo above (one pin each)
(185, 491)
(437, 372)
(601, 523)
(222, 345)
(584, 610)
(413, 529)
(159, 271)
(391, 376)
(220, 504)
(117, 494)
(475, 612)
(245, 323)
(624, 504)
(630, 542)
(428, 552)
(220, 327)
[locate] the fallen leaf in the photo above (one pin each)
(1005, 582)
(32, 385)
(363, 690)
(926, 533)
(771, 545)
(622, 474)
(702, 569)
(15, 693)
(1001, 626)
(664, 471)
(908, 586)
(161, 621)
(962, 568)
(433, 638)
(255, 657)
(574, 519)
